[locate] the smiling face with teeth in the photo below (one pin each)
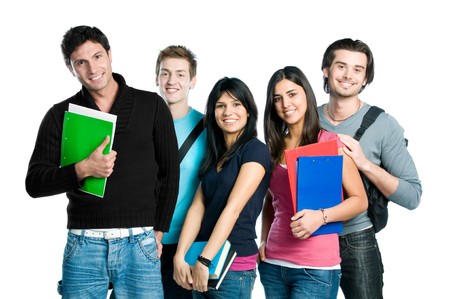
(290, 102)
(175, 81)
(347, 73)
(91, 65)
(231, 116)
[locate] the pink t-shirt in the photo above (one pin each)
(315, 251)
(244, 263)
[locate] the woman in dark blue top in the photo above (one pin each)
(235, 177)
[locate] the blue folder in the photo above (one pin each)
(319, 185)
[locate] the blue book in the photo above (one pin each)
(220, 264)
(319, 185)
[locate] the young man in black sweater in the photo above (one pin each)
(115, 239)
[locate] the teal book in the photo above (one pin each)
(216, 282)
(220, 264)
(84, 129)
(319, 185)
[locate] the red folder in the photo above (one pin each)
(326, 148)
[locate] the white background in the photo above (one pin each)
(249, 40)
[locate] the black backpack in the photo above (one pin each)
(378, 204)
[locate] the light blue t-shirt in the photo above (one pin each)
(189, 169)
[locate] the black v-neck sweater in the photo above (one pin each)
(143, 188)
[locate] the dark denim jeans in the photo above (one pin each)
(288, 283)
(361, 266)
(171, 289)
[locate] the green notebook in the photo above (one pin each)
(84, 129)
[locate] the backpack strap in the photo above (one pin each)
(368, 119)
(191, 139)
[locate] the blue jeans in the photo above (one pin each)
(284, 283)
(171, 288)
(236, 285)
(362, 268)
(130, 263)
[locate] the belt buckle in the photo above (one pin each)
(106, 235)
(121, 233)
(115, 234)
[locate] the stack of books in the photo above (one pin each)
(220, 264)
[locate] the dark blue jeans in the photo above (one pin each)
(171, 288)
(361, 266)
(285, 283)
(235, 285)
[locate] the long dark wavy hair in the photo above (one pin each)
(275, 128)
(216, 149)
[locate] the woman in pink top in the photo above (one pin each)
(294, 264)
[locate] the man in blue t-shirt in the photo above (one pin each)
(176, 69)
